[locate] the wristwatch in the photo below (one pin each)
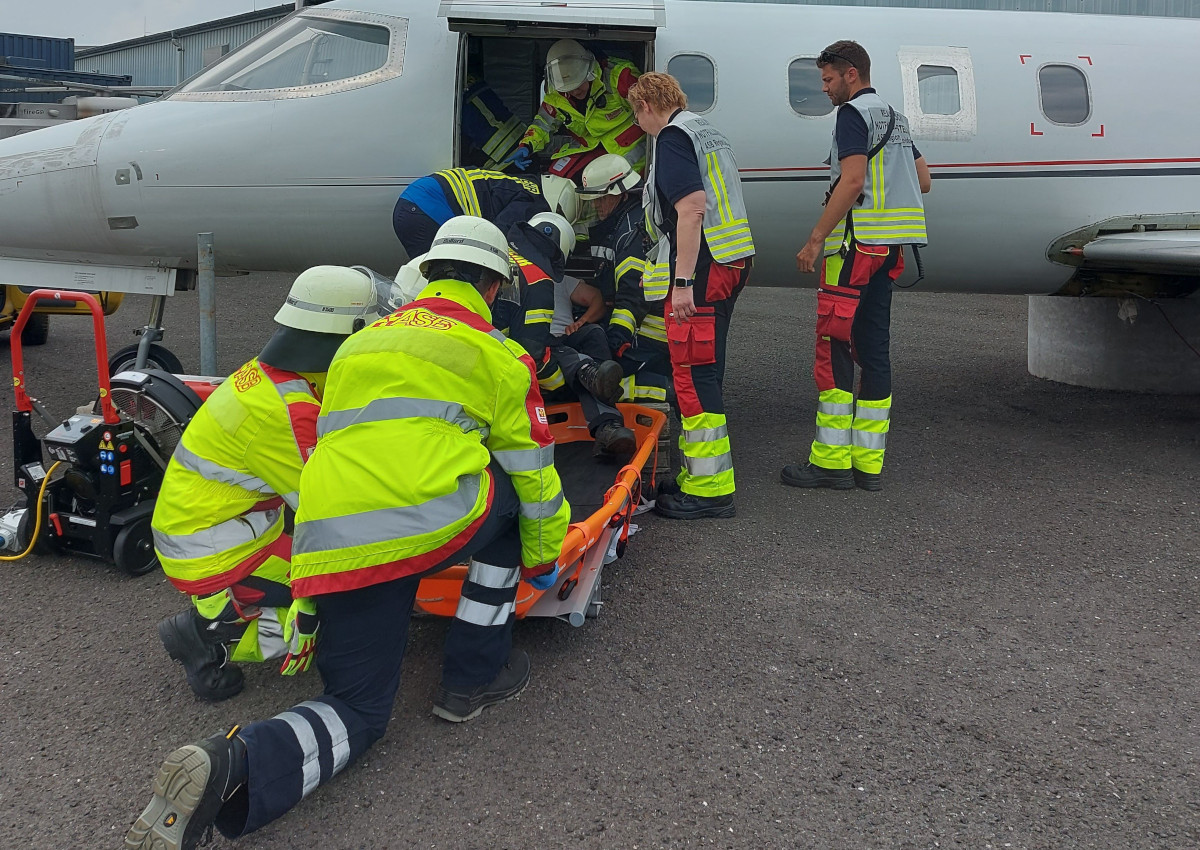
(683, 282)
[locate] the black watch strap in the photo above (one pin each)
(683, 282)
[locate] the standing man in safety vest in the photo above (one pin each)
(637, 333)
(504, 200)
(433, 449)
(218, 521)
(874, 208)
(589, 98)
(704, 254)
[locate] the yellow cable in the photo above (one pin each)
(37, 527)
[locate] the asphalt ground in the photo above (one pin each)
(999, 650)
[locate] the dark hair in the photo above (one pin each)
(479, 277)
(843, 55)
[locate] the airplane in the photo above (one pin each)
(1062, 165)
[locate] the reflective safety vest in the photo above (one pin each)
(239, 460)
(502, 133)
(890, 211)
(607, 120)
(415, 409)
(726, 227)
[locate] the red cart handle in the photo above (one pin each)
(67, 298)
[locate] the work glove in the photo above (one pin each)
(521, 158)
(542, 576)
(300, 634)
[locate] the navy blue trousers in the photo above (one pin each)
(360, 648)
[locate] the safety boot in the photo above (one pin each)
(602, 379)
(191, 787)
(811, 475)
(872, 481)
(612, 439)
(458, 706)
(681, 505)
(203, 653)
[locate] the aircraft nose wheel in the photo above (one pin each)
(133, 550)
(159, 357)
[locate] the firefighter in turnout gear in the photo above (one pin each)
(588, 98)
(504, 200)
(637, 332)
(694, 208)
(218, 520)
(488, 125)
(874, 208)
(433, 448)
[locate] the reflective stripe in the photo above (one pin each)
(300, 386)
(323, 309)
(482, 614)
(525, 460)
(308, 744)
(337, 732)
(292, 499)
(270, 635)
(533, 317)
(623, 318)
(211, 471)
(555, 381)
(488, 575)
(542, 510)
(833, 436)
(708, 465)
(706, 435)
(630, 264)
(870, 439)
(379, 526)
(830, 408)
(883, 413)
(212, 541)
(397, 407)
(604, 253)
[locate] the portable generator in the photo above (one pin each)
(97, 497)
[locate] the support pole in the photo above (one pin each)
(207, 286)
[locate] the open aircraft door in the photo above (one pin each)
(505, 41)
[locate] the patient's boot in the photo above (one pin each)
(614, 440)
(602, 379)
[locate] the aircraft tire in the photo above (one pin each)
(159, 357)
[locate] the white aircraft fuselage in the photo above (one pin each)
(299, 178)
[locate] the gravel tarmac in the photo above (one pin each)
(1000, 650)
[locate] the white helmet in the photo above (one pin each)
(609, 174)
(557, 228)
(410, 280)
(328, 299)
(569, 65)
(559, 193)
(469, 239)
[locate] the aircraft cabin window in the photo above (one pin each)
(697, 77)
(304, 51)
(1063, 90)
(805, 89)
(937, 88)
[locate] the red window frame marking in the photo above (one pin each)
(1033, 131)
(1025, 56)
(1099, 135)
(1087, 59)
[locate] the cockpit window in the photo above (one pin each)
(314, 53)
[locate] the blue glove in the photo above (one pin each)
(541, 577)
(521, 158)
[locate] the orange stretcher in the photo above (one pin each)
(602, 505)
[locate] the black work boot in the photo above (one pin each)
(614, 440)
(681, 505)
(602, 379)
(203, 654)
(872, 481)
(191, 787)
(458, 707)
(811, 475)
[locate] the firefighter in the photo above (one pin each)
(874, 208)
(588, 97)
(488, 125)
(433, 448)
(703, 257)
(218, 520)
(637, 334)
(504, 200)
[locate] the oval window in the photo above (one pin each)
(697, 77)
(937, 88)
(1063, 90)
(805, 90)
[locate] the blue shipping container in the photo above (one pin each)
(45, 51)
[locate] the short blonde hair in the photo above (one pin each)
(659, 91)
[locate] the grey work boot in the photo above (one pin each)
(459, 706)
